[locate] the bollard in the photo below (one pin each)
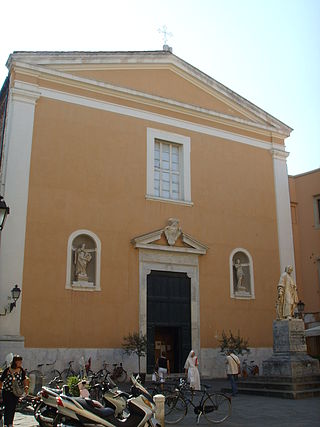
(159, 401)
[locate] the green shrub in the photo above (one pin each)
(73, 386)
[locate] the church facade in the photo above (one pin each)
(145, 196)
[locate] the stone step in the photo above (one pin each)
(280, 379)
(279, 385)
(286, 394)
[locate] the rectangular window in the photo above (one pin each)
(316, 208)
(167, 170)
(168, 167)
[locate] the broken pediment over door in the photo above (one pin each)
(170, 238)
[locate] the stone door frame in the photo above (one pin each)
(151, 259)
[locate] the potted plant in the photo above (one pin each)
(236, 344)
(136, 343)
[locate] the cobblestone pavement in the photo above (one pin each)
(247, 411)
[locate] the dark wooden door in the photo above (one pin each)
(169, 307)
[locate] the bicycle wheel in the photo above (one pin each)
(89, 373)
(99, 376)
(49, 376)
(66, 373)
(217, 408)
(121, 375)
(36, 381)
(175, 409)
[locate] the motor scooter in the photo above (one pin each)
(75, 411)
(45, 408)
(111, 396)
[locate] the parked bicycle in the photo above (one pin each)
(165, 388)
(249, 370)
(68, 372)
(215, 406)
(40, 376)
(118, 374)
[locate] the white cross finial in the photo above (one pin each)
(165, 33)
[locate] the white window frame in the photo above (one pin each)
(69, 282)
(233, 294)
(185, 182)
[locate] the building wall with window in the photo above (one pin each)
(102, 150)
(305, 207)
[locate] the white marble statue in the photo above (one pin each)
(172, 231)
(287, 295)
(82, 257)
(240, 275)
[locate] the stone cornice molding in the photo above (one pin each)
(145, 98)
(146, 115)
(254, 113)
(27, 96)
(279, 154)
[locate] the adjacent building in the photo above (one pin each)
(305, 212)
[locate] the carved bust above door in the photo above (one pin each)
(172, 233)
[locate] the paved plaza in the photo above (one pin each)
(247, 411)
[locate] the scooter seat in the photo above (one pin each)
(89, 405)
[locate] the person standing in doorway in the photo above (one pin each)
(15, 372)
(233, 369)
(163, 365)
(192, 372)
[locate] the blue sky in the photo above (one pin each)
(267, 51)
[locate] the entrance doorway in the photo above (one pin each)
(167, 339)
(168, 318)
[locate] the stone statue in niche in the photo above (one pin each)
(240, 275)
(287, 298)
(172, 231)
(82, 257)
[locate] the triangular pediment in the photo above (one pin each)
(170, 238)
(157, 75)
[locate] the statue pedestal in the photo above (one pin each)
(290, 358)
(289, 373)
(83, 284)
(82, 278)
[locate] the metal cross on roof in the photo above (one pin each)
(165, 33)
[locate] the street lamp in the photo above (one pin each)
(4, 211)
(300, 307)
(15, 295)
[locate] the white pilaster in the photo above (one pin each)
(18, 139)
(285, 237)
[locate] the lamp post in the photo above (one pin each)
(300, 307)
(4, 211)
(15, 295)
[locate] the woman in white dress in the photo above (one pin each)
(191, 369)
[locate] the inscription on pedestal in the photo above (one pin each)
(289, 336)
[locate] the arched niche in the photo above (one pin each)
(83, 261)
(241, 274)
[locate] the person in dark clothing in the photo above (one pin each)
(163, 367)
(13, 373)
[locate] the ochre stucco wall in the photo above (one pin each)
(306, 235)
(88, 171)
(165, 83)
